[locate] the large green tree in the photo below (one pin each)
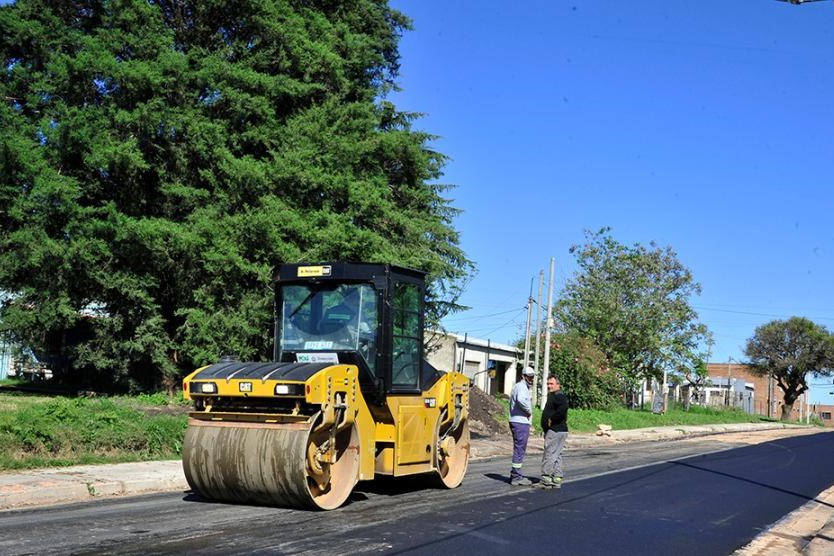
(633, 303)
(158, 158)
(788, 351)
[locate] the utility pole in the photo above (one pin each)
(462, 368)
(527, 333)
(729, 381)
(538, 338)
(546, 369)
(802, 407)
(486, 371)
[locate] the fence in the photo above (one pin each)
(5, 356)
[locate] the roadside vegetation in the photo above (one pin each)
(621, 418)
(55, 431)
(586, 420)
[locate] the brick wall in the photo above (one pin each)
(741, 371)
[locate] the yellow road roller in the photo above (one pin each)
(348, 396)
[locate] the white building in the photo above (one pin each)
(719, 392)
(475, 357)
(6, 360)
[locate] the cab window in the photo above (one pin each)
(406, 336)
(330, 318)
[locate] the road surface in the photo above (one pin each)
(686, 497)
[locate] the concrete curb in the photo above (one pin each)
(808, 530)
(492, 447)
(675, 432)
(823, 542)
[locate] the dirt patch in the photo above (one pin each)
(757, 437)
(487, 417)
(154, 410)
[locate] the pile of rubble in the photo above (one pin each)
(487, 416)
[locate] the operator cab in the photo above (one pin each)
(368, 315)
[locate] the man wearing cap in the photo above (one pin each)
(521, 413)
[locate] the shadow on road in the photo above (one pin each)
(752, 482)
(497, 477)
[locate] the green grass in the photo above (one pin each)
(586, 420)
(43, 431)
(621, 419)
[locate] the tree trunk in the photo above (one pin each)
(790, 398)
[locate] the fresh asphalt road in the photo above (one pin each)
(683, 497)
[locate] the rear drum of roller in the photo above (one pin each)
(452, 455)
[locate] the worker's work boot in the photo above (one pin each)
(520, 481)
(547, 481)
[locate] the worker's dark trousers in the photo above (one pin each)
(521, 432)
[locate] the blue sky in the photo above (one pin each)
(705, 126)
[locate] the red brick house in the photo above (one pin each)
(736, 373)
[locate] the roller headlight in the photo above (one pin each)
(204, 388)
(289, 389)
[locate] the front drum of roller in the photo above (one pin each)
(270, 464)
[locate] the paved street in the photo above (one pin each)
(618, 497)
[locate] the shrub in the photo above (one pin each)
(67, 431)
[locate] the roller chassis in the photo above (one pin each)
(303, 430)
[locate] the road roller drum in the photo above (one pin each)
(273, 464)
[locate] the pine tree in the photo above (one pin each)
(159, 158)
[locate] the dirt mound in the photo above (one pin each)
(487, 417)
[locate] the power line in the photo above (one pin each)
(479, 317)
(502, 326)
(751, 313)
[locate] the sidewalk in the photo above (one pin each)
(42, 487)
